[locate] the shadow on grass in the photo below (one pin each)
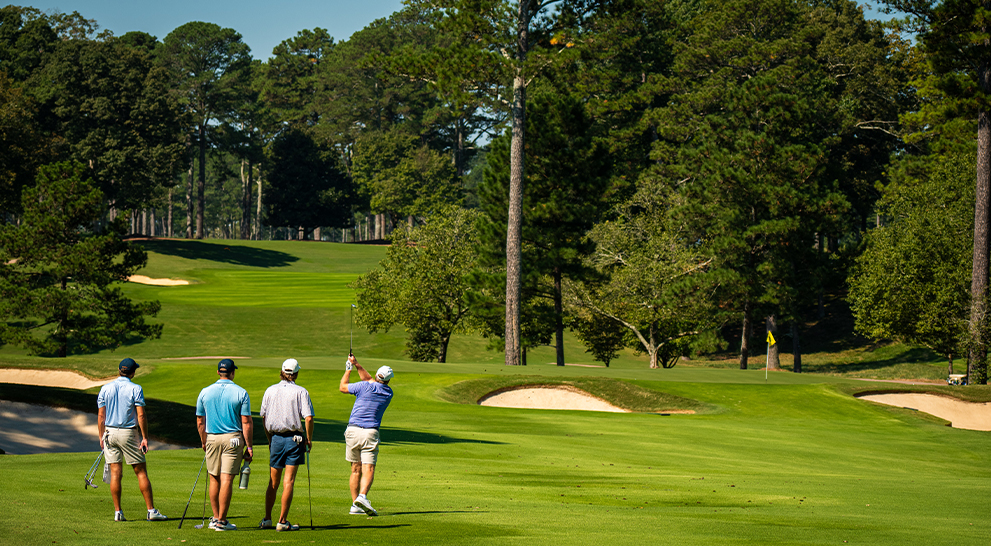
(237, 255)
(325, 428)
(912, 355)
(168, 422)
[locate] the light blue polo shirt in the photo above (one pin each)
(223, 404)
(120, 397)
(372, 400)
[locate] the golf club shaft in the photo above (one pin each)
(309, 489)
(183, 518)
(351, 346)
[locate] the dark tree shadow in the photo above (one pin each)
(917, 354)
(326, 428)
(217, 252)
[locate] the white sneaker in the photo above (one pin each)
(355, 511)
(221, 525)
(265, 524)
(362, 502)
(155, 515)
(119, 516)
(213, 523)
(287, 526)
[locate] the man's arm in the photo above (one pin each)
(143, 426)
(248, 429)
(309, 432)
(201, 428)
(101, 423)
(364, 375)
(267, 433)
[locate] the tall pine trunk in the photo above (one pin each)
(558, 318)
(745, 338)
(977, 357)
(773, 361)
(257, 235)
(189, 199)
(796, 349)
(245, 199)
(201, 183)
(514, 229)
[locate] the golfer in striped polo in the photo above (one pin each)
(123, 430)
(285, 408)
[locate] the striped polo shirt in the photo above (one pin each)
(284, 407)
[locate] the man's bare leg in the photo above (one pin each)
(274, 476)
(287, 491)
(367, 477)
(116, 475)
(144, 484)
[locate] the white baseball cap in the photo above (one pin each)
(384, 373)
(290, 366)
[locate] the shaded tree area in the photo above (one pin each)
(59, 266)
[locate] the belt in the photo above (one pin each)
(288, 434)
(122, 428)
(359, 426)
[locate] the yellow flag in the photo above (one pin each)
(770, 339)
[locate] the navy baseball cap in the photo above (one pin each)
(226, 365)
(128, 365)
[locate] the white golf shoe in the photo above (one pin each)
(155, 515)
(355, 511)
(119, 516)
(362, 502)
(265, 524)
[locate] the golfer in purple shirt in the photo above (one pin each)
(362, 435)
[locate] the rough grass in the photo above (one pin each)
(618, 393)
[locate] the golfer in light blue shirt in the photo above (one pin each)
(120, 420)
(373, 395)
(223, 419)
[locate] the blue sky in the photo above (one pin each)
(263, 24)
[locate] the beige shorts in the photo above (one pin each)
(221, 456)
(362, 445)
(123, 443)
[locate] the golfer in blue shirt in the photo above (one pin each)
(123, 430)
(373, 396)
(223, 419)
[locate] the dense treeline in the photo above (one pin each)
(651, 175)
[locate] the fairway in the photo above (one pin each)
(793, 459)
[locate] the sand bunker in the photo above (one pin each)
(141, 279)
(968, 415)
(550, 397)
(27, 429)
(50, 378)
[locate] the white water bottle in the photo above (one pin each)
(245, 474)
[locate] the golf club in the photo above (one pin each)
(203, 517)
(308, 488)
(191, 492)
(92, 473)
(351, 347)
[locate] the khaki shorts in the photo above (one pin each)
(362, 445)
(221, 457)
(123, 443)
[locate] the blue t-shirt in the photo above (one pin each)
(120, 397)
(223, 404)
(372, 399)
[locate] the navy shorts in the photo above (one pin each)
(285, 452)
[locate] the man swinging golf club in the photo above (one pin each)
(223, 419)
(373, 396)
(120, 419)
(285, 408)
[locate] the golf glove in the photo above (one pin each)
(235, 442)
(347, 365)
(297, 438)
